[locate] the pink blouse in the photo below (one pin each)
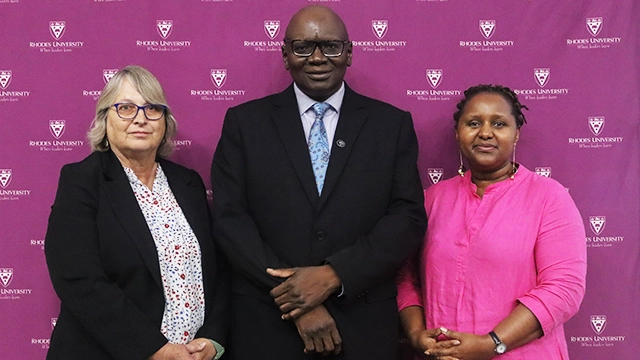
(523, 242)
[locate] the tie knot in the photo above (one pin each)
(320, 108)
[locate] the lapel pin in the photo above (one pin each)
(341, 143)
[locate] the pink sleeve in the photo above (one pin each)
(408, 277)
(408, 283)
(561, 262)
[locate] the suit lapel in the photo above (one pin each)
(287, 120)
(127, 211)
(352, 117)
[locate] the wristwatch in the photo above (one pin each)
(500, 348)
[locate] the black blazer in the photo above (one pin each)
(104, 266)
(370, 217)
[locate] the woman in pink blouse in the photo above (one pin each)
(129, 244)
(503, 264)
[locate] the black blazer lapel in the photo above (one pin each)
(189, 197)
(352, 118)
(127, 211)
(287, 120)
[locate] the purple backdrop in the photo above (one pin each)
(575, 65)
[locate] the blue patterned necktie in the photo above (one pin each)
(319, 145)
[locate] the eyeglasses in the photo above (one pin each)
(305, 48)
(129, 111)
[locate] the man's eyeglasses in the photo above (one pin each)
(305, 48)
(129, 111)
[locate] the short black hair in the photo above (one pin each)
(505, 92)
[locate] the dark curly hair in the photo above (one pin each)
(505, 92)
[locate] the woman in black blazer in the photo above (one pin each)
(129, 245)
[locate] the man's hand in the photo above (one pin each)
(319, 332)
(304, 289)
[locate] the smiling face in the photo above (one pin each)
(133, 139)
(317, 76)
(487, 133)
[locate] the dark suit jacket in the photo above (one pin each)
(267, 213)
(104, 266)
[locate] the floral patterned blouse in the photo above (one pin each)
(179, 257)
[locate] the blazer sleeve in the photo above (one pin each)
(379, 254)
(72, 250)
(234, 228)
(216, 323)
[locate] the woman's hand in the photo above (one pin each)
(421, 340)
(469, 347)
(425, 340)
(201, 349)
(172, 352)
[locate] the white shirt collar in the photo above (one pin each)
(305, 102)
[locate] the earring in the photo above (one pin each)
(461, 169)
(106, 143)
(514, 164)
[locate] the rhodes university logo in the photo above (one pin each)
(56, 127)
(272, 28)
(598, 323)
(5, 177)
(435, 174)
(164, 27)
(487, 28)
(107, 74)
(542, 76)
(597, 223)
(218, 77)
(379, 28)
(56, 28)
(5, 78)
(596, 123)
(6, 276)
(543, 171)
(594, 25)
(434, 76)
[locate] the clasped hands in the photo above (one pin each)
(197, 349)
(300, 299)
(456, 346)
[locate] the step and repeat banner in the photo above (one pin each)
(575, 64)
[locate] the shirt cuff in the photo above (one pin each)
(341, 284)
(219, 349)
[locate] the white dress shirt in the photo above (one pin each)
(308, 116)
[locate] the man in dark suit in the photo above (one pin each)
(316, 207)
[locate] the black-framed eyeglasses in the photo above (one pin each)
(129, 111)
(330, 48)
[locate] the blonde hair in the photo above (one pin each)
(150, 89)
